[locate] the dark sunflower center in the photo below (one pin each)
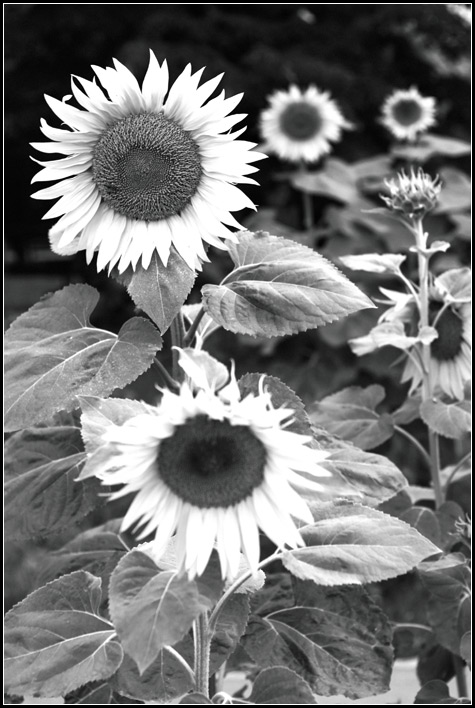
(146, 167)
(450, 330)
(407, 111)
(211, 463)
(300, 121)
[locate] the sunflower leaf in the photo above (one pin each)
(436, 692)
(337, 639)
(357, 475)
(53, 354)
(194, 698)
(95, 694)
(164, 680)
(279, 287)
(374, 262)
(408, 412)
(447, 582)
(451, 420)
(282, 397)
(97, 550)
(56, 641)
(351, 414)
(42, 491)
(282, 686)
(151, 609)
(159, 290)
(456, 283)
(353, 544)
(457, 192)
(98, 414)
(230, 626)
(337, 181)
(430, 145)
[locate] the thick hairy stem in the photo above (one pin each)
(171, 383)
(307, 202)
(460, 676)
(202, 640)
(237, 584)
(177, 330)
(190, 335)
(427, 383)
(308, 216)
(416, 444)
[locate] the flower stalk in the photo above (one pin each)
(177, 331)
(202, 642)
(427, 384)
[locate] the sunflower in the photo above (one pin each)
(412, 195)
(145, 168)
(451, 352)
(213, 468)
(406, 113)
(300, 126)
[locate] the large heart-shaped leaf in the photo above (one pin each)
(355, 544)
(159, 290)
(452, 420)
(53, 354)
(55, 641)
(447, 582)
(152, 609)
(42, 491)
(351, 414)
(337, 639)
(279, 287)
(281, 686)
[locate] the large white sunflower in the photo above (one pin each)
(300, 126)
(213, 468)
(146, 168)
(406, 113)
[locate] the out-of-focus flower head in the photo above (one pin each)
(300, 126)
(407, 114)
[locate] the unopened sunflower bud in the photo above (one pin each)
(413, 195)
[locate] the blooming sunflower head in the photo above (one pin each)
(412, 195)
(451, 351)
(212, 468)
(300, 126)
(147, 168)
(406, 113)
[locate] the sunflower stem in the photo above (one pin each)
(457, 467)
(190, 335)
(460, 676)
(308, 215)
(427, 384)
(237, 584)
(202, 642)
(181, 660)
(165, 375)
(416, 444)
(412, 625)
(177, 330)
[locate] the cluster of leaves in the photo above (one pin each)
(106, 623)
